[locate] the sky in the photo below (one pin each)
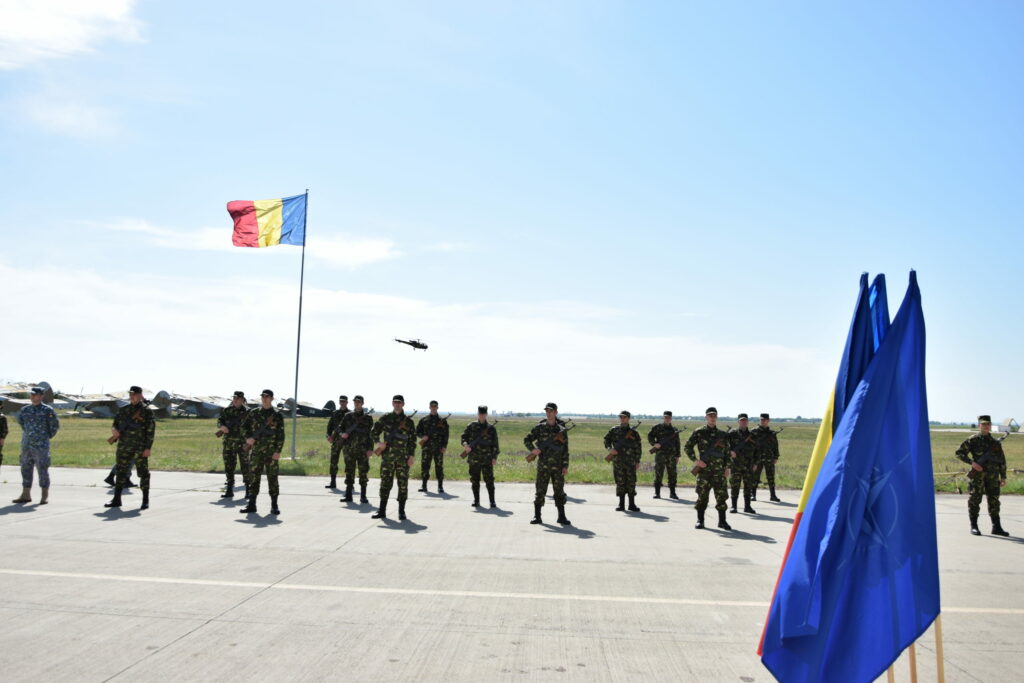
(611, 205)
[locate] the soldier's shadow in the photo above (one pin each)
(770, 518)
(1009, 539)
(496, 512)
(360, 507)
(582, 534)
(227, 502)
(678, 501)
(782, 504)
(743, 535)
(647, 515)
(259, 521)
(442, 496)
(570, 499)
(18, 507)
(114, 514)
(406, 525)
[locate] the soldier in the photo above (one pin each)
(133, 431)
(480, 445)
(664, 439)
(3, 435)
(988, 473)
(624, 452)
(549, 441)
(229, 427)
(357, 443)
(432, 431)
(744, 445)
(397, 449)
(765, 456)
(264, 432)
(333, 433)
(712, 469)
(39, 424)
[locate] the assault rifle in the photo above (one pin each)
(262, 433)
(713, 454)
(397, 434)
(483, 438)
(674, 435)
(555, 441)
(986, 458)
(129, 425)
(620, 444)
(232, 425)
(433, 428)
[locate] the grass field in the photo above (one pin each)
(187, 444)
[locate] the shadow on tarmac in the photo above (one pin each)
(408, 526)
(442, 496)
(18, 507)
(114, 514)
(742, 535)
(259, 521)
(583, 534)
(648, 516)
(497, 512)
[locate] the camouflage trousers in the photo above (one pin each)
(983, 484)
(394, 466)
(768, 465)
(549, 471)
(624, 471)
(706, 481)
(480, 465)
(428, 455)
(743, 473)
(35, 459)
(263, 461)
(1, 456)
(335, 456)
(234, 455)
(356, 458)
(128, 455)
(663, 462)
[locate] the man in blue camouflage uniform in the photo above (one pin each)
(664, 440)
(133, 430)
(334, 438)
(357, 444)
(984, 453)
(229, 428)
(712, 469)
(548, 443)
(39, 424)
(433, 435)
(744, 446)
(624, 452)
(480, 446)
(264, 432)
(396, 436)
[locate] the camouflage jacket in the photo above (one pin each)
(436, 428)
(483, 437)
(710, 442)
(977, 447)
(266, 426)
(552, 441)
(359, 427)
(398, 432)
(336, 419)
(233, 418)
(767, 443)
(743, 442)
(136, 425)
(626, 441)
(667, 436)
(39, 424)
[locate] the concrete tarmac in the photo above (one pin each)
(193, 590)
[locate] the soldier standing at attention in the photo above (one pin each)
(765, 457)
(664, 438)
(624, 453)
(432, 431)
(744, 445)
(712, 469)
(480, 445)
(549, 442)
(134, 429)
(397, 449)
(357, 443)
(264, 432)
(229, 427)
(333, 432)
(39, 424)
(988, 473)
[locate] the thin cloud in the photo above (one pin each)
(73, 118)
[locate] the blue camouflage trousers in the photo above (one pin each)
(35, 459)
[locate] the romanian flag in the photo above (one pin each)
(268, 222)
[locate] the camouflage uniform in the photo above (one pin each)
(334, 428)
(39, 424)
(266, 426)
(553, 443)
(713, 445)
(744, 444)
(137, 427)
(233, 448)
(627, 442)
(399, 434)
(3, 435)
(482, 437)
(436, 429)
(666, 457)
(359, 427)
(765, 455)
(986, 482)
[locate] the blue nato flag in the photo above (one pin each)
(862, 579)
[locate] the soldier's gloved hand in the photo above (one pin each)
(977, 467)
(275, 456)
(145, 453)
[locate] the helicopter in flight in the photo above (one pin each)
(414, 343)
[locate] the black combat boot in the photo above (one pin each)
(423, 489)
(672, 493)
(274, 510)
(773, 498)
(735, 497)
(753, 494)
(382, 511)
(228, 493)
(334, 482)
(490, 494)
(536, 514)
(145, 499)
(632, 503)
(562, 519)
(401, 510)
(722, 524)
(975, 531)
(746, 506)
(622, 503)
(229, 483)
(997, 528)
(129, 484)
(115, 502)
(440, 485)
(363, 500)
(700, 520)
(109, 481)
(476, 495)
(251, 507)
(657, 489)
(348, 494)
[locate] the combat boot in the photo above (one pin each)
(562, 519)
(334, 482)
(348, 494)
(229, 492)
(440, 486)
(382, 511)
(274, 510)
(115, 502)
(45, 497)
(251, 507)
(622, 503)
(632, 503)
(700, 520)
(753, 494)
(536, 514)
(657, 490)
(722, 524)
(129, 484)
(145, 499)
(975, 531)
(746, 506)
(401, 510)
(997, 528)
(423, 489)
(490, 494)
(109, 481)
(735, 497)
(25, 497)
(773, 498)
(672, 493)
(476, 495)
(363, 500)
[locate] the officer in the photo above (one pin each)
(395, 434)
(624, 453)
(984, 454)
(765, 457)
(357, 444)
(549, 442)
(229, 428)
(134, 430)
(712, 469)
(264, 432)
(333, 434)
(664, 439)
(39, 424)
(432, 431)
(480, 446)
(744, 445)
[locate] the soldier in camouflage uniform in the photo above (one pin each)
(985, 455)
(357, 444)
(549, 442)
(39, 424)
(664, 440)
(624, 453)
(765, 456)
(397, 449)
(712, 468)
(229, 428)
(333, 437)
(432, 431)
(480, 445)
(264, 436)
(744, 445)
(134, 430)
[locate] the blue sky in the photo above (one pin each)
(612, 205)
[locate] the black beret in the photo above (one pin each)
(134, 390)
(481, 410)
(982, 419)
(267, 392)
(343, 397)
(357, 397)
(433, 403)
(398, 397)
(742, 416)
(239, 394)
(764, 416)
(625, 413)
(551, 406)
(711, 411)
(667, 413)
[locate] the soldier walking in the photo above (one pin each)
(765, 456)
(548, 443)
(432, 431)
(984, 453)
(664, 439)
(624, 453)
(480, 446)
(264, 432)
(229, 428)
(397, 449)
(712, 468)
(744, 445)
(357, 445)
(134, 430)
(334, 438)
(39, 424)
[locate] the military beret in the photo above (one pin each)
(481, 410)
(984, 419)
(711, 411)
(742, 416)
(764, 416)
(625, 413)
(433, 403)
(343, 397)
(131, 390)
(357, 397)
(239, 394)
(551, 406)
(39, 391)
(398, 397)
(667, 413)
(267, 392)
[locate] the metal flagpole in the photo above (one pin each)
(298, 335)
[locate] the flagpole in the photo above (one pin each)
(913, 662)
(298, 335)
(939, 661)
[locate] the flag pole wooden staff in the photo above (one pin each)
(298, 335)
(940, 663)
